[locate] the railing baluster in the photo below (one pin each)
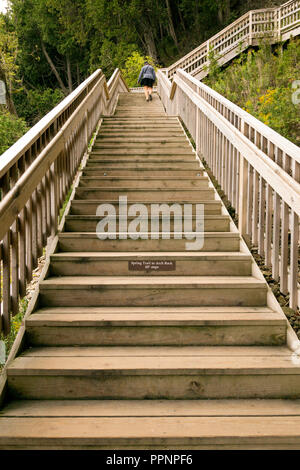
(284, 248)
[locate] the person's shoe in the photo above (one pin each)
(150, 97)
(147, 99)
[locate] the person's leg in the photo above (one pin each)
(146, 92)
(150, 93)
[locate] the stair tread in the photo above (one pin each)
(139, 178)
(145, 281)
(154, 408)
(143, 360)
(177, 254)
(158, 310)
(188, 431)
(39, 318)
(94, 235)
(206, 352)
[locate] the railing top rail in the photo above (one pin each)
(116, 75)
(286, 4)
(289, 148)
(11, 155)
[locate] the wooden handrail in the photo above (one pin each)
(272, 23)
(36, 176)
(218, 101)
(252, 166)
(11, 155)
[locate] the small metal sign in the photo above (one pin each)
(149, 265)
(2, 92)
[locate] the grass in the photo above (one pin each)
(16, 323)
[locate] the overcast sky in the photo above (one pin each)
(3, 5)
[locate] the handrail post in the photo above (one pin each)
(243, 185)
(279, 22)
(250, 27)
(197, 126)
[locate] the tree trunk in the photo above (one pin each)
(53, 68)
(224, 11)
(181, 19)
(78, 74)
(171, 24)
(69, 74)
(150, 43)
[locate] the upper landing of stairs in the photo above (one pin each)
(121, 354)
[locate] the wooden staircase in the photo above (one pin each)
(194, 358)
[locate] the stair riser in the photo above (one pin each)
(137, 134)
(109, 296)
(156, 335)
(159, 196)
(77, 208)
(149, 113)
(145, 140)
(161, 154)
(142, 163)
(141, 183)
(142, 173)
(94, 244)
(148, 146)
(179, 386)
(139, 125)
(91, 225)
(85, 267)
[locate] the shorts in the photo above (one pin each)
(147, 82)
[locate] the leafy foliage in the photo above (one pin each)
(133, 65)
(11, 129)
(261, 83)
(34, 104)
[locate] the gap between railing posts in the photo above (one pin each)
(257, 169)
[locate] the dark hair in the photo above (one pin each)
(146, 62)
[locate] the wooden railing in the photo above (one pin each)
(36, 174)
(256, 168)
(273, 23)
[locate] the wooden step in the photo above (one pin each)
(156, 153)
(160, 195)
(167, 120)
(186, 263)
(92, 291)
(156, 424)
(143, 182)
(89, 223)
(155, 326)
(146, 172)
(140, 372)
(141, 163)
(81, 241)
(112, 133)
(136, 147)
(89, 207)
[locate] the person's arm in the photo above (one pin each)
(140, 75)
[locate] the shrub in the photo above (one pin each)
(34, 104)
(11, 129)
(133, 65)
(261, 83)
